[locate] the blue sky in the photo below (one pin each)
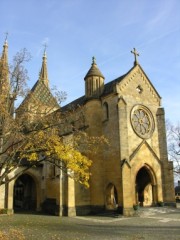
(76, 30)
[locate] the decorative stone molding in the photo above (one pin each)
(138, 73)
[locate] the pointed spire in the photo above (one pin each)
(4, 71)
(4, 57)
(43, 76)
(94, 70)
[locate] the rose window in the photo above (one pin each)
(142, 121)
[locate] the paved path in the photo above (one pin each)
(149, 224)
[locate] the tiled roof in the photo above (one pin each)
(41, 93)
(108, 88)
(74, 104)
(94, 71)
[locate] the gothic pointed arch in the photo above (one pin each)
(145, 186)
(111, 197)
(105, 111)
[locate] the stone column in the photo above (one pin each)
(2, 196)
(71, 211)
(127, 190)
(9, 197)
(154, 195)
(60, 195)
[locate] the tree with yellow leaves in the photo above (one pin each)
(35, 135)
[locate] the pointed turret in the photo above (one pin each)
(5, 100)
(94, 81)
(4, 70)
(43, 76)
(4, 57)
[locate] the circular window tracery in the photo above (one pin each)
(142, 121)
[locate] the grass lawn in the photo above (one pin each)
(29, 226)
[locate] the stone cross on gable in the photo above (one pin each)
(135, 56)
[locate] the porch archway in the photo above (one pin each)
(145, 187)
(25, 193)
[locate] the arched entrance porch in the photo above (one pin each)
(145, 187)
(25, 193)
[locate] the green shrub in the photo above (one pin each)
(161, 204)
(3, 211)
(135, 206)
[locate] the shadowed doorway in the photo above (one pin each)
(144, 187)
(25, 194)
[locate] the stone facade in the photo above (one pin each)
(133, 169)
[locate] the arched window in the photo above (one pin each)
(105, 112)
(111, 197)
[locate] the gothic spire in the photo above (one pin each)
(4, 57)
(43, 76)
(4, 72)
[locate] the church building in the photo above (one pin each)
(134, 168)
